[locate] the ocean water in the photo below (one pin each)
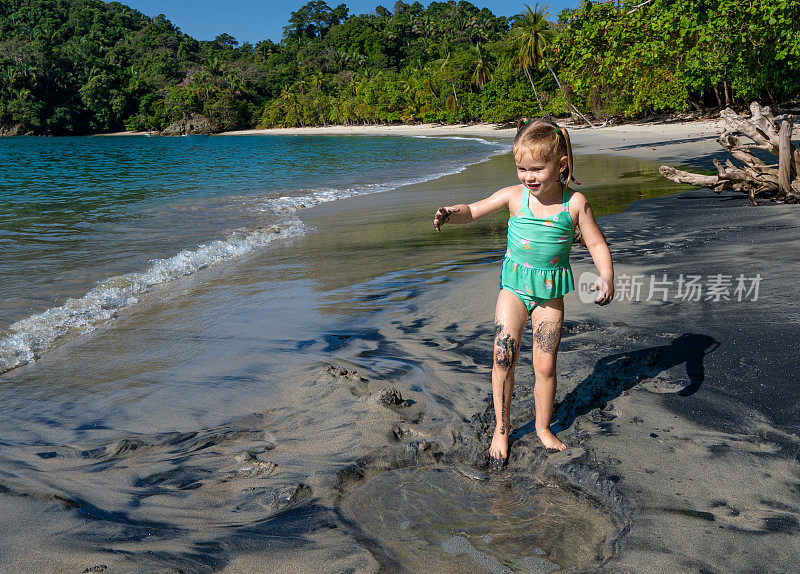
(88, 225)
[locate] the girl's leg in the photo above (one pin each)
(547, 320)
(510, 316)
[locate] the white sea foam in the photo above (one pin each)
(463, 138)
(311, 197)
(29, 337)
(287, 204)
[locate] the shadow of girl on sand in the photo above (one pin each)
(620, 372)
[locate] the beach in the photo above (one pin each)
(667, 141)
(681, 404)
(680, 414)
(328, 408)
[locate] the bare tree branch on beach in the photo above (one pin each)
(635, 8)
(768, 133)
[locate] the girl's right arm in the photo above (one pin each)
(462, 213)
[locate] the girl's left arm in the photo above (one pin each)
(596, 243)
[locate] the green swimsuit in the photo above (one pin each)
(536, 266)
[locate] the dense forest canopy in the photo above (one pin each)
(84, 66)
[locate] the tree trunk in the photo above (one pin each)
(680, 176)
(573, 110)
(696, 105)
(755, 176)
(535, 93)
(785, 159)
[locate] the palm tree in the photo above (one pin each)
(317, 81)
(300, 86)
(340, 59)
(482, 29)
(449, 76)
(215, 66)
(7, 77)
(532, 36)
(201, 82)
(481, 73)
(529, 37)
(234, 84)
(289, 99)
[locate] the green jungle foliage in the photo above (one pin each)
(85, 66)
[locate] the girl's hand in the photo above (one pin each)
(442, 215)
(605, 290)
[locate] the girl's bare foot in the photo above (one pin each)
(549, 440)
(498, 450)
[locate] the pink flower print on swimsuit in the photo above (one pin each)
(548, 223)
(527, 266)
(526, 243)
(555, 260)
(548, 283)
(562, 238)
(528, 290)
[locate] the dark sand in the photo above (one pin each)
(687, 411)
(680, 416)
(690, 409)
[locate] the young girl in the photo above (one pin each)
(543, 216)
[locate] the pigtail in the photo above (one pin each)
(570, 176)
(521, 123)
(577, 237)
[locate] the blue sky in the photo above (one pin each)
(255, 20)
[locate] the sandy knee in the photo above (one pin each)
(506, 347)
(547, 336)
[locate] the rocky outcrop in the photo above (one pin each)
(194, 124)
(12, 130)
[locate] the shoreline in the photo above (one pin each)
(659, 141)
(631, 139)
(678, 445)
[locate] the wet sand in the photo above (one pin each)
(680, 416)
(686, 410)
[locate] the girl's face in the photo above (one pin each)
(541, 177)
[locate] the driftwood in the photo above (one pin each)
(781, 180)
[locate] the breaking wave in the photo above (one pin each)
(29, 337)
(25, 340)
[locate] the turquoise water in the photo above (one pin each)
(87, 225)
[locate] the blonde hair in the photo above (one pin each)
(546, 140)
